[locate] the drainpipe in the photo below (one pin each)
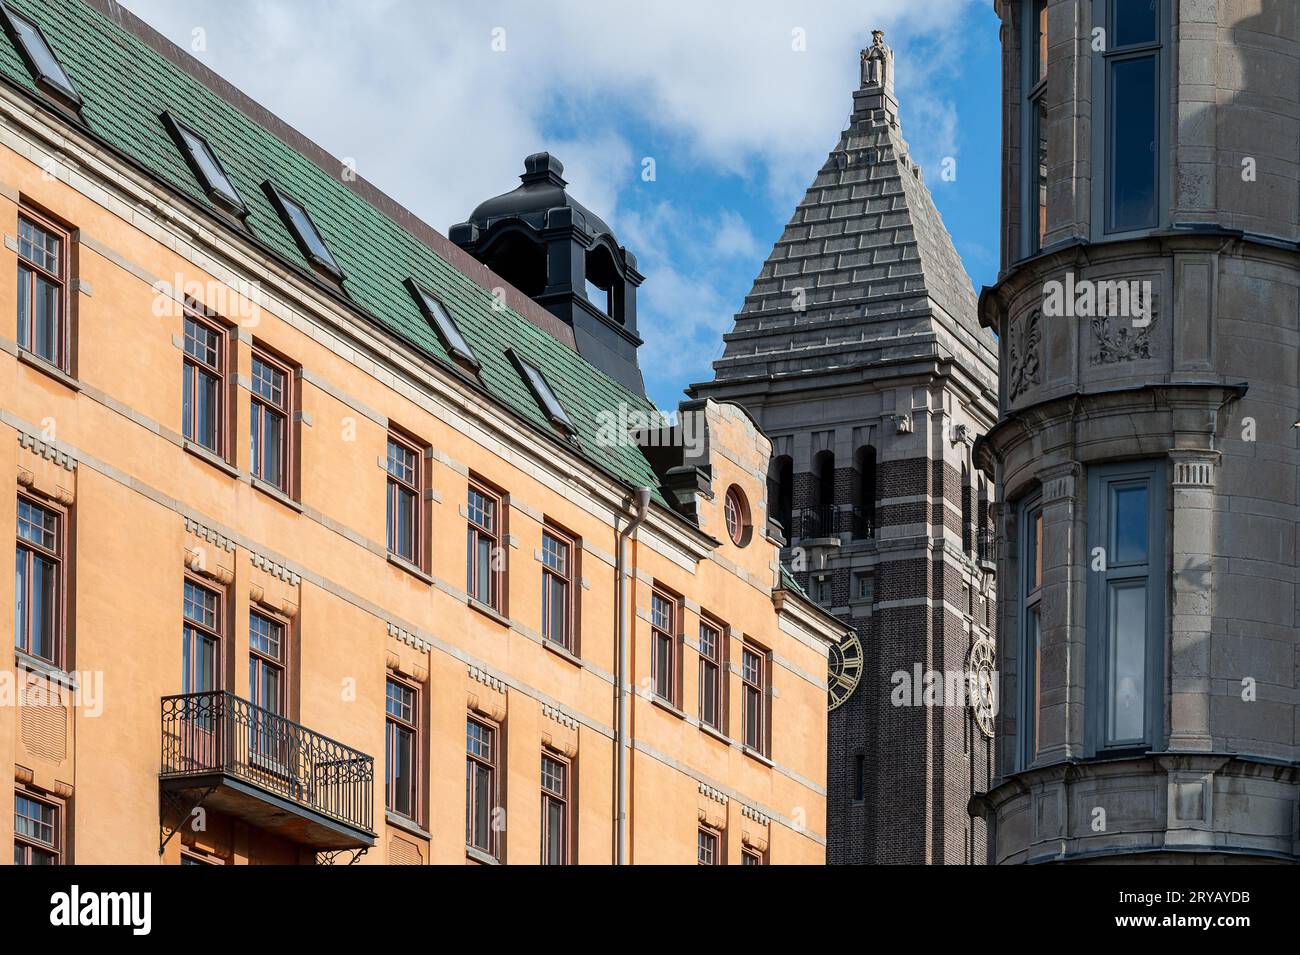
(641, 499)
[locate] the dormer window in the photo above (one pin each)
(299, 222)
(550, 405)
(39, 56)
(202, 160)
(435, 313)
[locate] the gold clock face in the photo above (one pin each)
(844, 670)
(983, 670)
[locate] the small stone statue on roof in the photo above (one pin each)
(873, 60)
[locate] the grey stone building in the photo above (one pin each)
(1146, 443)
(858, 351)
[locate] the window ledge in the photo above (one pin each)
(48, 368)
(45, 668)
(756, 755)
(487, 611)
(478, 855)
(199, 451)
(272, 491)
(715, 733)
(410, 568)
(406, 825)
(663, 704)
(562, 652)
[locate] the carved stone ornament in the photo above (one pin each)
(1022, 347)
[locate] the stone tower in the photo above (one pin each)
(858, 351)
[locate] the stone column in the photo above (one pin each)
(1062, 617)
(1192, 476)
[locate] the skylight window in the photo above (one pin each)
(38, 53)
(205, 165)
(438, 317)
(304, 230)
(545, 396)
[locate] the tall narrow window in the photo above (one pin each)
(706, 846)
(404, 500)
(663, 646)
(1125, 605)
(1031, 622)
(555, 810)
(270, 412)
(484, 554)
(1034, 83)
(710, 675)
(480, 786)
(39, 573)
(37, 831)
(203, 391)
(753, 675)
(201, 640)
(1131, 71)
(42, 290)
(557, 588)
(266, 684)
(402, 753)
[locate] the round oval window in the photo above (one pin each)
(735, 513)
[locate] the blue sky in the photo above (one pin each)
(737, 103)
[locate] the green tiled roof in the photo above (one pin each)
(788, 582)
(126, 86)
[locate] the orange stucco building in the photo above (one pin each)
(323, 527)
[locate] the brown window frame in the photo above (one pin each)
(712, 666)
(751, 856)
(396, 486)
(565, 801)
(192, 369)
(750, 689)
(671, 638)
(58, 556)
(712, 838)
(217, 631)
(395, 723)
(735, 515)
(490, 765)
(477, 531)
(565, 580)
(258, 662)
(62, 359)
(259, 406)
(28, 844)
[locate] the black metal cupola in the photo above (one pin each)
(555, 250)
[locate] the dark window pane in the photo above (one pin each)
(45, 321)
(1126, 681)
(1133, 139)
(20, 600)
(44, 607)
(1135, 21)
(24, 306)
(1130, 525)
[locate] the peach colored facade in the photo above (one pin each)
(103, 446)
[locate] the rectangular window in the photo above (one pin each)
(663, 645)
(751, 856)
(201, 640)
(404, 501)
(1131, 72)
(39, 54)
(1031, 576)
(38, 836)
(706, 847)
(480, 786)
(557, 588)
(555, 810)
(484, 555)
(711, 658)
(202, 159)
(1126, 517)
(39, 582)
(42, 290)
(401, 749)
(270, 410)
(302, 227)
(1034, 83)
(753, 675)
(266, 685)
(204, 386)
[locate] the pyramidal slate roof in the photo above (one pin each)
(865, 271)
(128, 75)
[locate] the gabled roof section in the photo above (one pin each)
(865, 271)
(128, 76)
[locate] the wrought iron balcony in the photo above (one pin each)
(241, 759)
(828, 520)
(986, 547)
(818, 521)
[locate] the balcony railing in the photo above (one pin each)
(986, 546)
(215, 737)
(827, 520)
